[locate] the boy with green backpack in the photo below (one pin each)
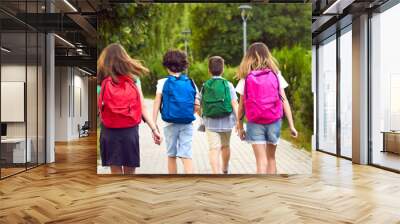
(219, 110)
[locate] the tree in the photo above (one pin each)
(217, 28)
(146, 31)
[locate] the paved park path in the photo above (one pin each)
(154, 159)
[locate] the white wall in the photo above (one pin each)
(16, 73)
(33, 127)
(71, 94)
(61, 103)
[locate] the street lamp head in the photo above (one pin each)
(243, 9)
(186, 32)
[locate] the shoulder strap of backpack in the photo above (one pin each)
(193, 84)
(102, 90)
(245, 89)
(166, 85)
(228, 89)
(202, 89)
(279, 86)
(134, 85)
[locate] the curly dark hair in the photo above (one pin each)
(175, 61)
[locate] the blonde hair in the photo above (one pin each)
(257, 57)
(115, 61)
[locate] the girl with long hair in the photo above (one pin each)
(121, 108)
(263, 101)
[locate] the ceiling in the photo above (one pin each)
(331, 14)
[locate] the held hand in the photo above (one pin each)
(240, 130)
(239, 126)
(293, 132)
(242, 134)
(157, 136)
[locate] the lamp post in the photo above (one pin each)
(186, 34)
(245, 16)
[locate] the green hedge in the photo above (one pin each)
(295, 64)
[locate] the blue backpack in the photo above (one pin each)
(178, 98)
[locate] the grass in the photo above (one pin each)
(303, 139)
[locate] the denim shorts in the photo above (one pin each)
(179, 138)
(263, 133)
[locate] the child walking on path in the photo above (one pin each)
(177, 97)
(121, 108)
(219, 110)
(263, 101)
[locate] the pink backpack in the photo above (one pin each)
(263, 103)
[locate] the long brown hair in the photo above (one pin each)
(257, 57)
(115, 61)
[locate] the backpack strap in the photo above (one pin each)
(202, 91)
(194, 86)
(226, 84)
(102, 90)
(168, 79)
(245, 89)
(279, 86)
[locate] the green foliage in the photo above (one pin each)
(217, 28)
(198, 71)
(146, 31)
(230, 73)
(295, 65)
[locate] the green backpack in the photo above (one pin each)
(216, 98)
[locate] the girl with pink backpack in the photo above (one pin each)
(263, 101)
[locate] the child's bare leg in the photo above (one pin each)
(116, 169)
(226, 155)
(261, 157)
(187, 165)
(214, 161)
(172, 169)
(271, 167)
(129, 170)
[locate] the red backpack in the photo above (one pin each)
(119, 103)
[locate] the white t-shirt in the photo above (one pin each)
(159, 89)
(160, 86)
(282, 82)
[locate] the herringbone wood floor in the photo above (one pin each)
(69, 191)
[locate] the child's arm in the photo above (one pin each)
(234, 101)
(288, 113)
(197, 100)
(156, 107)
(200, 110)
(152, 125)
(235, 106)
(197, 106)
(240, 115)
